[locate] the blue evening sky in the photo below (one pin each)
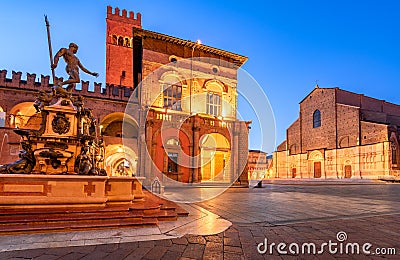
(353, 45)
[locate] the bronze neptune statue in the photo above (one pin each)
(72, 69)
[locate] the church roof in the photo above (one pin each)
(349, 93)
(316, 87)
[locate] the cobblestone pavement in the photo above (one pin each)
(293, 215)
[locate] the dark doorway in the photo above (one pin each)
(347, 171)
(317, 169)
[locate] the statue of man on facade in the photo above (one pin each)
(72, 69)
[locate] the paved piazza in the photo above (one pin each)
(295, 214)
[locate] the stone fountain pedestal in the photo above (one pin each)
(68, 191)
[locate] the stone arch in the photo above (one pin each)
(172, 76)
(216, 86)
(172, 71)
(315, 155)
(219, 130)
(119, 124)
(344, 142)
(316, 164)
(120, 160)
(23, 115)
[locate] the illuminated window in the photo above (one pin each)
(213, 104)
(316, 119)
(172, 96)
(173, 141)
(172, 162)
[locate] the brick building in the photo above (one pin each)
(153, 81)
(257, 165)
(340, 134)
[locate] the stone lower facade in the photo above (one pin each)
(359, 162)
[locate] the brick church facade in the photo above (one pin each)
(168, 108)
(340, 134)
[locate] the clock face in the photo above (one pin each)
(60, 124)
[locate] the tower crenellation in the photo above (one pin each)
(30, 78)
(3, 75)
(119, 45)
(16, 78)
(119, 16)
(45, 79)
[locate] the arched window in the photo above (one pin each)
(213, 104)
(127, 42)
(316, 119)
(114, 39)
(120, 41)
(172, 96)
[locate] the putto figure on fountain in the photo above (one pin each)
(43, 99)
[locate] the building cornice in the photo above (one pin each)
(239, 60)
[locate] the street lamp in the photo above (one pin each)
(198, 42)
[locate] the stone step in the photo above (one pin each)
(24, 218)
(42, 220)
(76, 226)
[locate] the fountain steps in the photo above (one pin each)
(141, 214)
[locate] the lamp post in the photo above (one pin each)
(198, 42)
